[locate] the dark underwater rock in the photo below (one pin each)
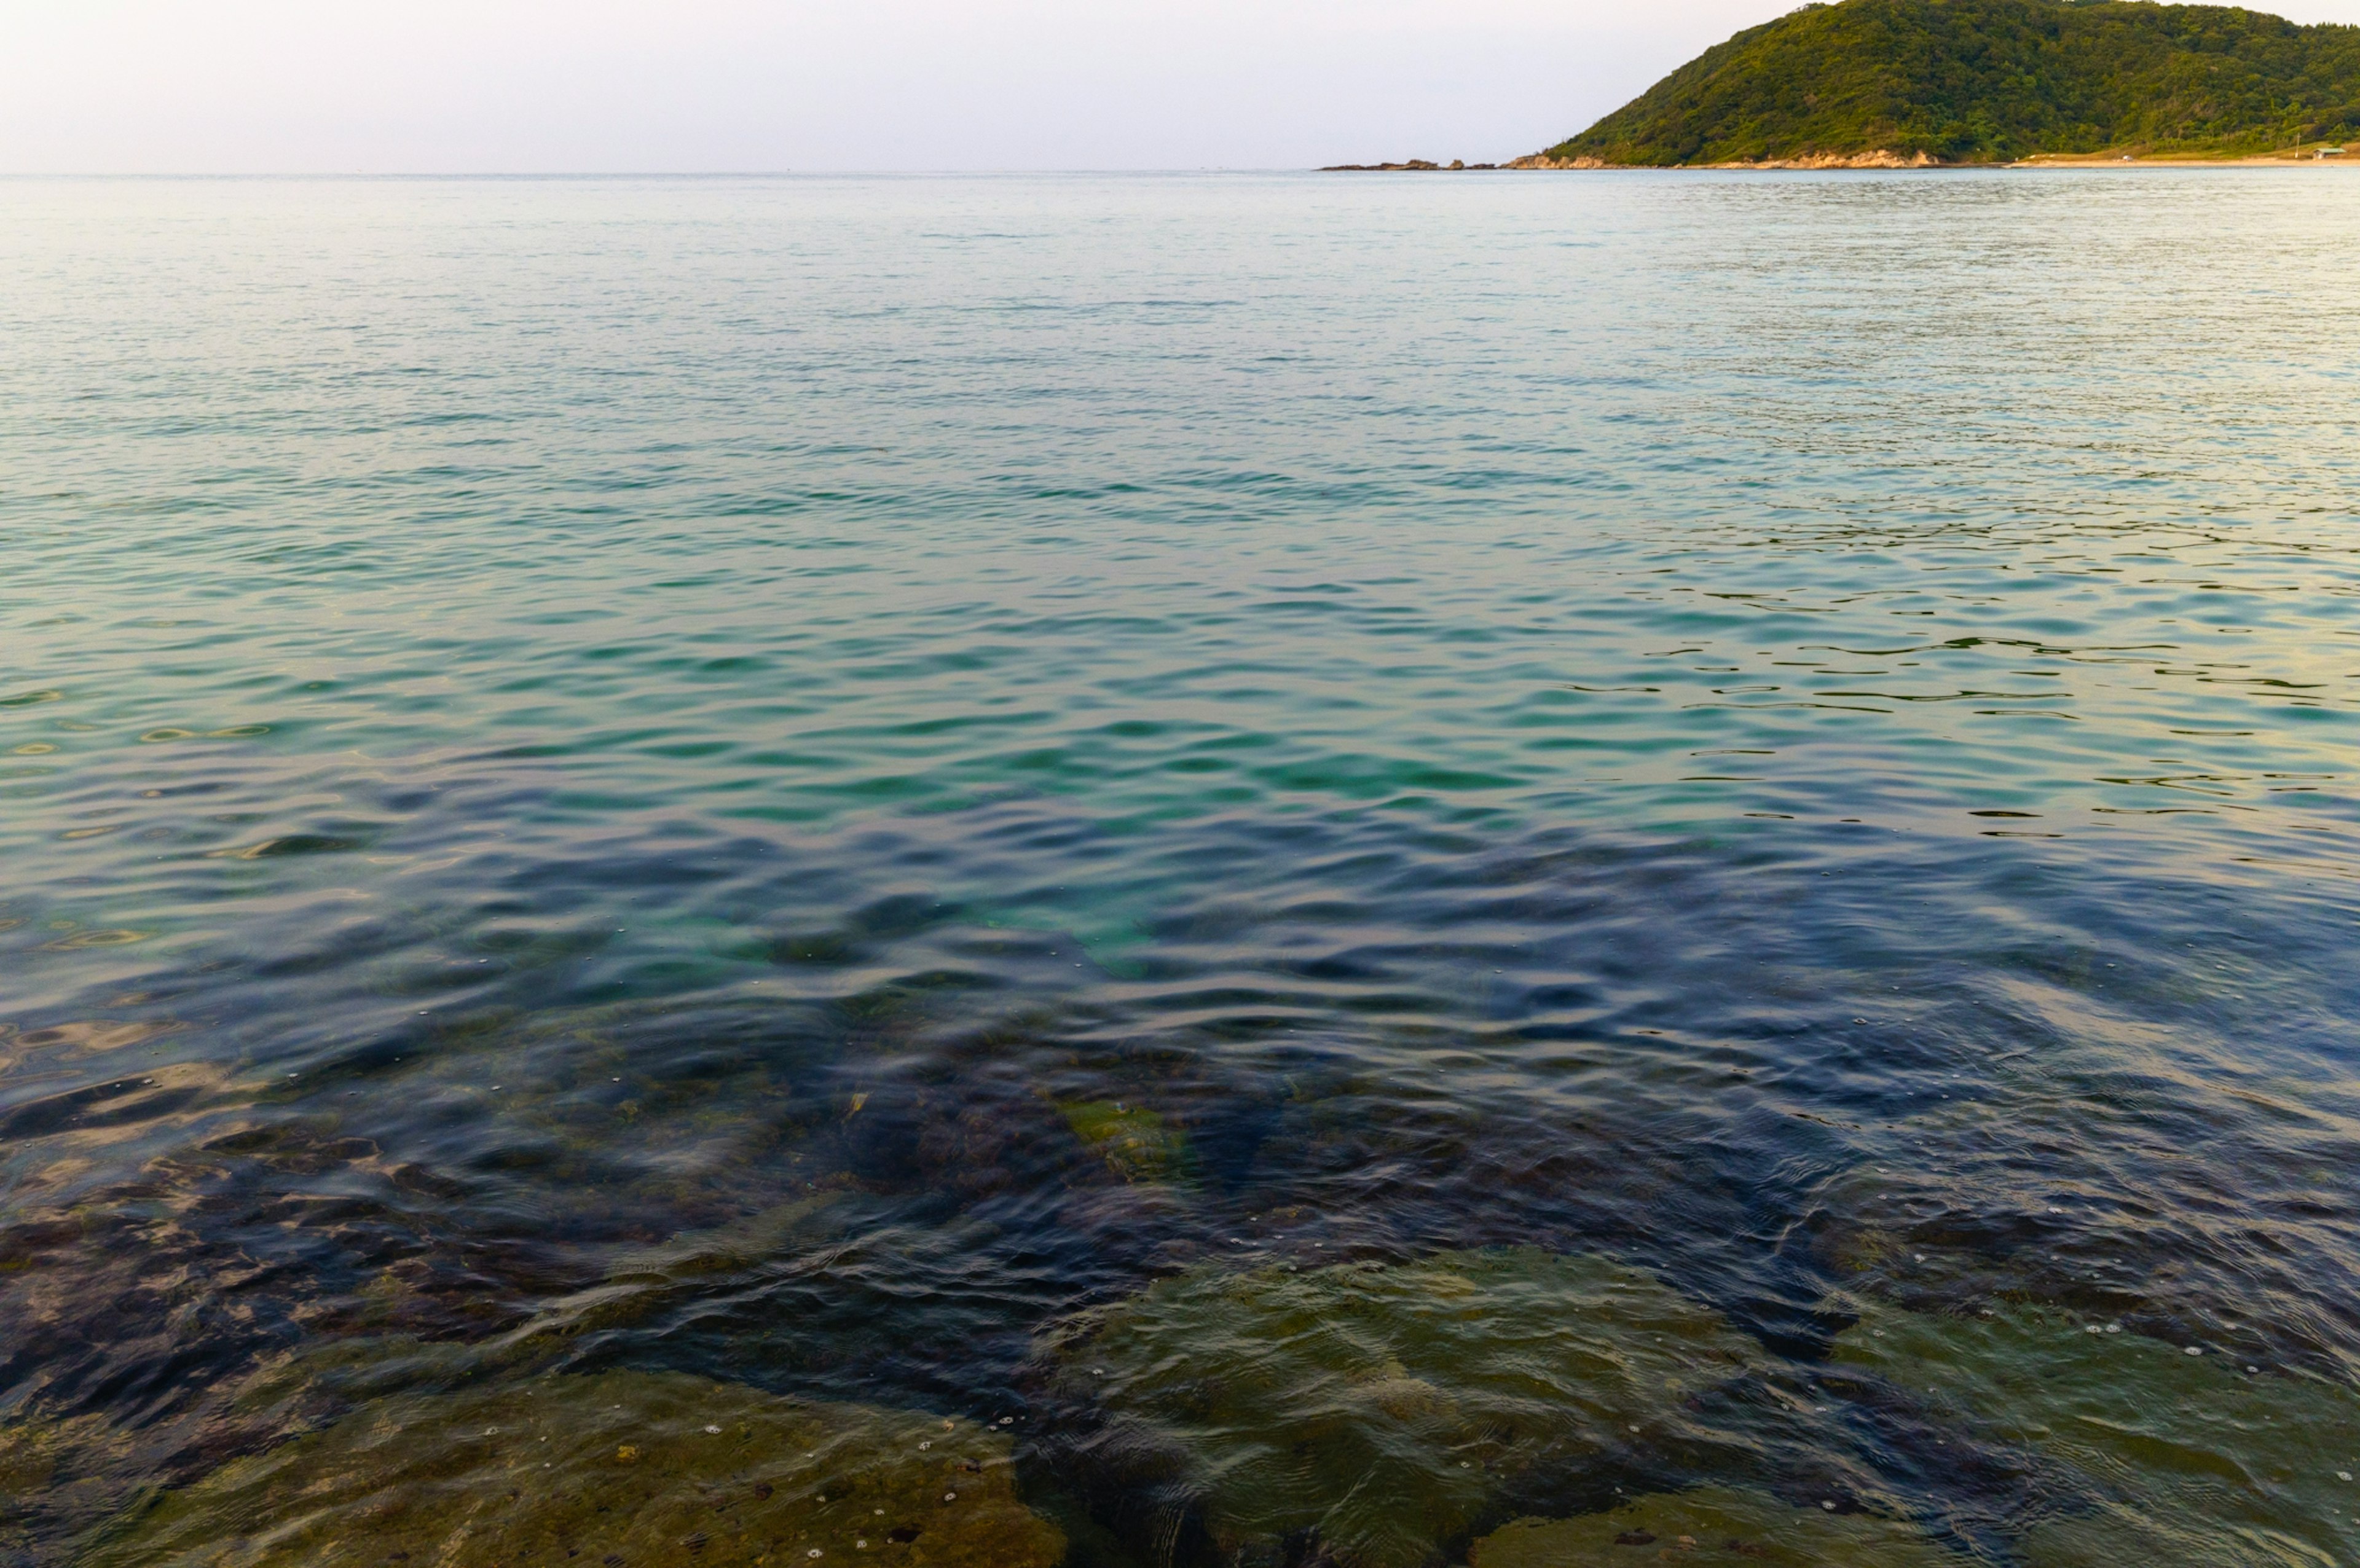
(648, 1469)
(2185, 1453)
(1711, 1525)
(1366, 1415)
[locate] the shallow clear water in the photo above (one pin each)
(1792, 731)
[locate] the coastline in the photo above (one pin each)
(1880, 159)
(2177, 160)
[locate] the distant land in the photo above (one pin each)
(1898, 83)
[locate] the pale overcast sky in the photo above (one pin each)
(523, 85)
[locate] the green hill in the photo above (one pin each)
(1987, 81)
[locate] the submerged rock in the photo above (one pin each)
(61, 1475)
(643, 1468)
(1711, 1524)
(1135, 1142)
(1380, 1408)
(52, 1469)
(2187, 1455)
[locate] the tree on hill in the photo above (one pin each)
(1986, 81)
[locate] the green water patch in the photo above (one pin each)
(1711, 1524)
(1115, 925)
(2182, 1454)
(644, 1468)
(1383, 1407)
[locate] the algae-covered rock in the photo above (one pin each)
(2186, 1457)
(1380, 1406)
(50, 1468)
(645, 1468)
(1135, 1142)
(1710, 1524)
(61, 1475)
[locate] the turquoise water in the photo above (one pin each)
(1764, 727)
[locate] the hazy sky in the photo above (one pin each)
(278, 85)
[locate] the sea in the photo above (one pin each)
(1358, 870)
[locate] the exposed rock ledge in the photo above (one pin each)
(1881, 158)
(1417, 163)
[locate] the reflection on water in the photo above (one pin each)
(1397, 874)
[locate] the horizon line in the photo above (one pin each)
(633, 173)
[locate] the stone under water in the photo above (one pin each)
(1381, 1408)
(1711, 1524)
(650, 1469)
(2183, 1457)
(1136, 1143)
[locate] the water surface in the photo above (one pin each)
(812, 781)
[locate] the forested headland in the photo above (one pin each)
(1988, 81)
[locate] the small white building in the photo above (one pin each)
(2328, 152)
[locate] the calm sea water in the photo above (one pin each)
(994, 742)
